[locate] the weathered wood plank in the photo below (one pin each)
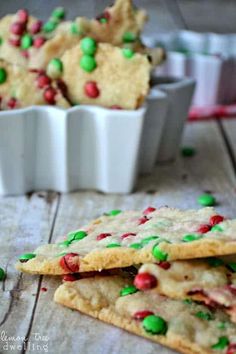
(229, 131)
(24, 222)
(176, 184)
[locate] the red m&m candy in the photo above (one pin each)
(70, 262)
(91, 89)
(145, 281)
(204, 228)
(49, 95)
(140, 315)
(216, 219)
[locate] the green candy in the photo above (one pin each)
(26, 41)
(217, 228)
(59, 13)
(191, 238)
(128, 53)
(204, 315)
(222, 343)
(113, 245)
(159, 254)
(103, 20)
(129, 37)
(215, 262)
(222, 325)
(113, 212)
(76, 29)
(206, 199)
(188, 301)
(1, 41)
(3, 76)
(148, 239)
(64, 243)
(155, 325)
(26, 256)
(187, 151)
(232, 266)
(61, 254)
(55, 68)
(128, 289)
(49, 26)
(88, 63)
(136, 246)
(88, 46)
(76, 235)
(2, 274)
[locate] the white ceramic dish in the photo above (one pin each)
(209, 58)
(91, 147)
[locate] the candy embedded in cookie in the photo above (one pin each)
(187, 327)
(121, 239)
(100, 74)
(21, 88)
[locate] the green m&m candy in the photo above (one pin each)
(88, 63)
(128, 289)
(215, 262)
(64, 243)
(76, 235)
(26, 257)
(129, 37)
(88, 46)
(3, 76)
(191, 237)
(159, 254)
(113, 245)
(59, 13)
(113, 212)
(103, 20)
(1, 41)
(2, 274)
(222, 343)
(26, 41)
(204, 315)
(55, 68)
(217, 228)
(206, 199)
(154, 324)
(49, 26)
(187, 151)
(76, 28)
(232, 266)
(148, 239)
(136, 246)
(128, 53)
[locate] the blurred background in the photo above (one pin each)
(165, 15)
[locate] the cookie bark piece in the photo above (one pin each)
(119, 81)
(20, 89)
(137, 237)
(100, 297)
(198, 280)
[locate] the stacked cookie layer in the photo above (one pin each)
(100, 61)
(184, 293)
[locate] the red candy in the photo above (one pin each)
(70, 262)
(25, 54)
(17, 28)
(149, 210)
(232, 289)
(70, 277)
(204, 228)
(49, 95)
(91, 89)
(15, 42)
(127, 235)
(43, 81)
(44, 289)
(12, 103)
(102, 236)
(142, 220)
(38, 42)
(164, 265)
(140, 315)
(145, 281)
(36, 27)
(231, 349)
(23, 15)
(216, 219)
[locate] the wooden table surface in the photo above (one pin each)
(27, 221)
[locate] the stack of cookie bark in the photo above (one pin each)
(100, 61)
(164, 274)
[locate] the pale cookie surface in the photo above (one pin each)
(114, 81)
(212, 281)
(20, 88)
(121, 239)
(173, 323)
